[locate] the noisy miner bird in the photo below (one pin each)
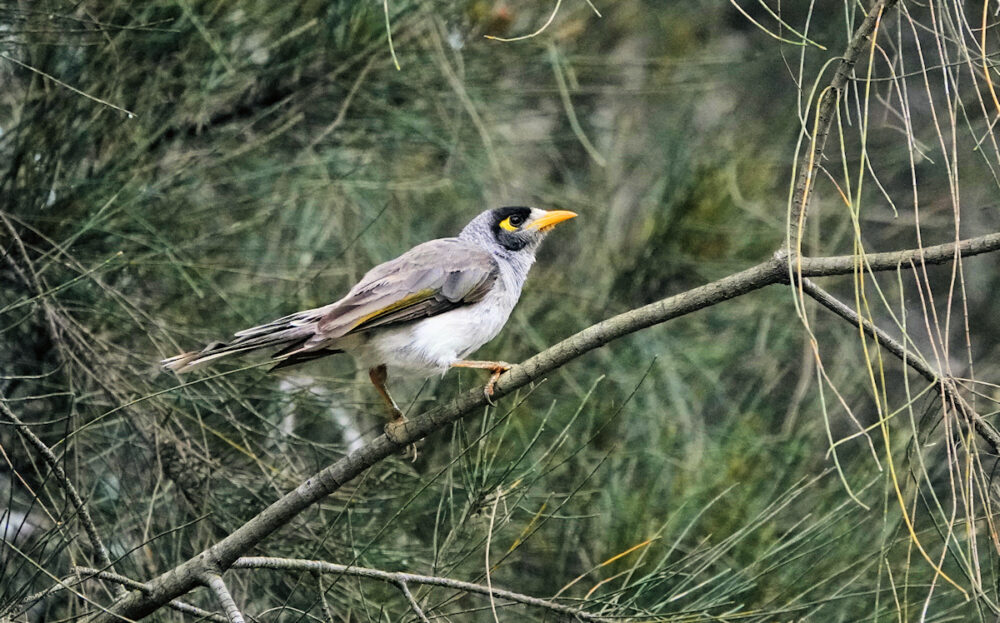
(422, 313)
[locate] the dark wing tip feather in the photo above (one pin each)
(295, 359)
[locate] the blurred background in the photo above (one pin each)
(173, 171)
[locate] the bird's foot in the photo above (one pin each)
(495, 367)
(491, 384)
(395, 430)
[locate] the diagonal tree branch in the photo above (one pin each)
(410, 599)
(223, 554)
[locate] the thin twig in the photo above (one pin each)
(388, 34)
(574, 122)
(489, 541)
(400, 579)
(324, 604)
(345, 104)
(218, 586)
(552, 16)
(41, 73)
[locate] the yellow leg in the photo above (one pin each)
(378, 375)
(496, 367)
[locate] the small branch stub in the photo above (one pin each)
(410, 599)
(218, 586)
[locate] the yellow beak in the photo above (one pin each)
(551, 219)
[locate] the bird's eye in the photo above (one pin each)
(511, 223)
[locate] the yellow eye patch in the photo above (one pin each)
(506, 224)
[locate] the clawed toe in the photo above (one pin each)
(490, 388)
(496, 368)
(491, 384)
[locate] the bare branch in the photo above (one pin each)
(937, 254)
(322, 596)
(402, 579)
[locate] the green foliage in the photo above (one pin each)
(200, 167)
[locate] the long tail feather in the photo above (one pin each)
(283, 332)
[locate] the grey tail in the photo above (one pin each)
(287, 333)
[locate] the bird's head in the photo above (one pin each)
(514, 229)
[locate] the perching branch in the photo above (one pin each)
(223, 554)
(402, 579)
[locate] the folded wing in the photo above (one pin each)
(429, 279)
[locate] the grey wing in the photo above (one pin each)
(429, 279)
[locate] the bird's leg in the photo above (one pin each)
(378, 375)
(496, 367)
